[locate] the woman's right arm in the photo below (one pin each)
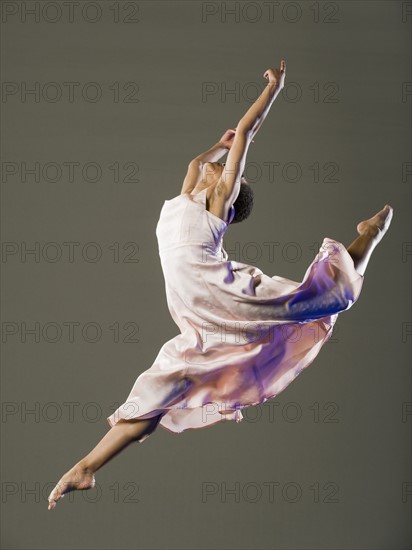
(257, 113)
(247, 127)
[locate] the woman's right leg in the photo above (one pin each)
(370, 233)
(81, 475)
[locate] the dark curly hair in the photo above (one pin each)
(243, 205)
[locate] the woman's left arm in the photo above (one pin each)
(213, 154)
(216, 152)
(219, 149)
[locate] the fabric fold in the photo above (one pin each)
(244, 335)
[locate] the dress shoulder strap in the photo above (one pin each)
(200, 197)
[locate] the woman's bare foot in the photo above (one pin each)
(77, 478)
(378, 225)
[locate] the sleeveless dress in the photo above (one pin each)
(244, 336)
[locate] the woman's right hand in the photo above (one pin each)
(227, 139)
(277, 76)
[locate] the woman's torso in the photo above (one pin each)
(185, 222)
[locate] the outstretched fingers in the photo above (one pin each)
(54, 496)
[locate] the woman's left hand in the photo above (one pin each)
(227, 139)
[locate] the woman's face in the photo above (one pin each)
(212, 171)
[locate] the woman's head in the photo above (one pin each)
(243, 205)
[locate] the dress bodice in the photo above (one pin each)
(184, 220)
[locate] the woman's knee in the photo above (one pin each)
(154, 421)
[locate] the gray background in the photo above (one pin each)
(337, 448)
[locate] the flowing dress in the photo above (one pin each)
(244, 336)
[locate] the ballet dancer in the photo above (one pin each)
(244, 336)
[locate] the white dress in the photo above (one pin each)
(244, 336)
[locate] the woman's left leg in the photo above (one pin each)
(81, 476)
(370, 232)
